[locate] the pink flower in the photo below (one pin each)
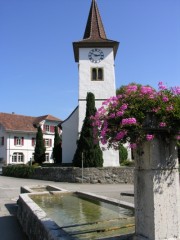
(112, 115)
(119, 96)
(165, 99)
(124, 106)
(103, 141)
(176, 90)
(128, 121)
(178, 137)
(156, 109)
(169, 108)
(131, 88)
(120, 135)
(162, 124)
(146, 90)
(151, 96)
(120, 113)
(132, 145)
(149, 137)
(162, 86)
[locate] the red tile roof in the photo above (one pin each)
(14, 122)
(94, 35)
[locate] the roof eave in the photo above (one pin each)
(20, 131)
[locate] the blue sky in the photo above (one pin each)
(38, 74)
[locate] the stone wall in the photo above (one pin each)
(90, 175)
(35, 222)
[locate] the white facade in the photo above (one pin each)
(70, 136)
(17, 147)
(102, 90)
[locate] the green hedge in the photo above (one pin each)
(21, 171)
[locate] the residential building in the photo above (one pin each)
(18, 137)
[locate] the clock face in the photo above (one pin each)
(96, 55)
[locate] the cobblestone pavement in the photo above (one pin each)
(10, 189)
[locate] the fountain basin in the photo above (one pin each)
(40, 188)
(98, 217)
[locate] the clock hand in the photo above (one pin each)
(96, 54)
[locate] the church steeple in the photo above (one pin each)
(94, 27)
(94, 35)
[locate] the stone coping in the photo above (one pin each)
(40, 188)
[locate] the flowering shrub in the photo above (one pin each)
(137, 114)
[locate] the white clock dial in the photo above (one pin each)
(96, 55)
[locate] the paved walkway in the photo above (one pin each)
(10, 189)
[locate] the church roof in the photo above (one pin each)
(94, 28)
(94, 35)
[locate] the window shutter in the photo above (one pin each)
(33, 141)
(50, 141)
(15, 140)
(2, 140)
(22, 141)
(51, 128)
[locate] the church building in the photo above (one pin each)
(95, 55)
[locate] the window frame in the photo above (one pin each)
(96, 71)
(17, 157)
(47, 142)
(47, 157)
(18, 141)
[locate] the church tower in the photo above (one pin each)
(95, 55)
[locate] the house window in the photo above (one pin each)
(97, 74)
(18, 157)
(19, 141)
(47, 157)
(48, 142)
(33, 141)
(47, 128)
(1, 141)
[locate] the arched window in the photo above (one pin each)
(94, 74)
(97, 74)
(100, 74)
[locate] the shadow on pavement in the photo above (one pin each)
(10, 228)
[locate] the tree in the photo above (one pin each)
(123, 153)
(39, 154)
(57, 149)
(92, 154)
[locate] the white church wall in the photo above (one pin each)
(69, 137)
(111, 157)
(101, 89)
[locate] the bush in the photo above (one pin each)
(21, 171)
(128, 163)
(123, 154)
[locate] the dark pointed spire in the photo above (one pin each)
(94, 27)
(94, 35)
